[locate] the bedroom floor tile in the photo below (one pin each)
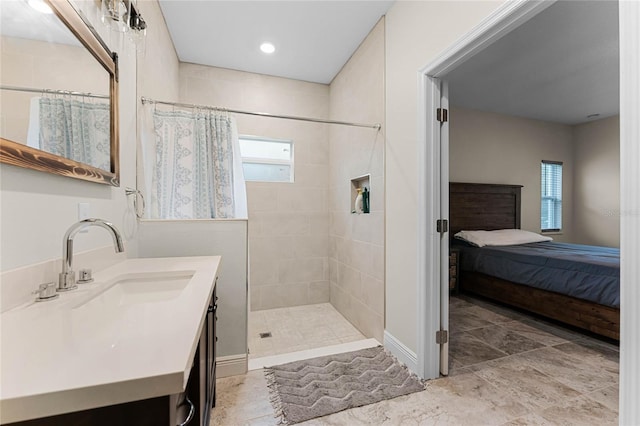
(541, 332)
(533, 388)
(580, 411)
(505, 340)
(570, 370)
(462, 320)
(597, 354)
(607, 397)
(554, 376)
(467, 350)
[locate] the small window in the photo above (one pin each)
(551, 196)
(266, 160)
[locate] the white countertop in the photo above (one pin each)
(61, 356)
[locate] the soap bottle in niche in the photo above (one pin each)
(365, 200)
(357, 207)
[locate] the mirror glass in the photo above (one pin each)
(55, 95)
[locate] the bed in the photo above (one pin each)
(574, 284)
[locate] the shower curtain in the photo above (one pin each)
(74, 129)
(191, 166)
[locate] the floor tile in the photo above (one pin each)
(580, 411)
(528, 385)
(496, 308)
(569, 370)
(597, 354)
(541, 332)
(495, 317)
(506, 340)
(469, 399)
(298, 328)
(506, 368)
(461, 320)
(607, 397)
(467, 350)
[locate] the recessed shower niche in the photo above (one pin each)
(361, 194)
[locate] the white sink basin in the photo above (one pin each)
(133, 289)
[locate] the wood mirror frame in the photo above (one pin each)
(21, 155)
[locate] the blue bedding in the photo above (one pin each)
(585, 272)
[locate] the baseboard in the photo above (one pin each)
(231, 365)
(400, 351)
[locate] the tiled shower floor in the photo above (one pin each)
(507, 369)
(298, 328)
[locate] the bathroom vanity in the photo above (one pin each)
(135, 347)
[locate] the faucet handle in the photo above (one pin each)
(85, 276)
(46, 291)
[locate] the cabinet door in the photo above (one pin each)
(211, 358)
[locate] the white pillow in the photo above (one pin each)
(500, 237)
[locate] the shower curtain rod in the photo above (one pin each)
(261, 114)
(54, 92)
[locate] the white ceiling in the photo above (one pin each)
(313, 39)
(560, 66)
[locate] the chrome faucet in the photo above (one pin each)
(67, 278)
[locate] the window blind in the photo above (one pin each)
(551, 196)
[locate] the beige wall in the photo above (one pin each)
(41, 65)
(596, 196)
(356, 255)
(288, 222)
(494, 148)
(157, 62)
(37, 208)
(416, 32)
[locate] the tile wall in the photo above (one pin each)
(288, 222)
(356, 241)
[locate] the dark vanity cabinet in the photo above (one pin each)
(204, 375)
(190, 408)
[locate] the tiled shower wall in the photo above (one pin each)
(288, 222)
(356, 241)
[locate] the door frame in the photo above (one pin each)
(503, 20)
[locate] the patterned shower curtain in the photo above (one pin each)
(75, 129)
(192, 156)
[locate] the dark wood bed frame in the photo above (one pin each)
(476, 206)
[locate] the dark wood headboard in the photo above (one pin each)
(483, 206)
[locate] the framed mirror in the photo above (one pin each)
(58, 93)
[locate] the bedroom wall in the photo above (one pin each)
(494, 148)
(596, 177)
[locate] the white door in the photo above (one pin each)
(444, 234)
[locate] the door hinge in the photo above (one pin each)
(442, 337)
(442, 115)
(442, 226)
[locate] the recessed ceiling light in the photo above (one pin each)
(267, 48)
(40, 6)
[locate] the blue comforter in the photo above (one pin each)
(585, 272)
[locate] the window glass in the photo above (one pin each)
(551, 196)
(266, 159)
(256, 148)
